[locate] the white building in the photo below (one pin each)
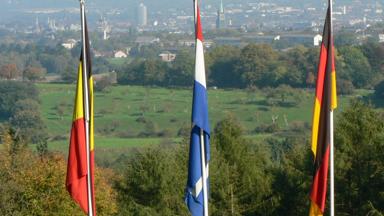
(146, 40)
(167, 56)
(317, 40)
(186, 42)
(69, 44)
(120, 54)
(381, 38)
(142, 16)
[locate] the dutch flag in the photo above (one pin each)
(199, 152)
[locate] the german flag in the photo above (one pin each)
(77, 182)
(325, 103)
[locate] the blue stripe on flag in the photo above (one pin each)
(200, 114)
(195, 204)
(200, 107)
(200, 121)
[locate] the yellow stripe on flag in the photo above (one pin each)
(334, 93)
(91, 113)
(315, 211)
(79, 103)
(315, 126)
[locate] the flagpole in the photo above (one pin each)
(332, 180)
(332, 174)
(86, 106)
(204, 172)
(202, 140)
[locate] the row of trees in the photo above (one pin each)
(227, 66)
(34, 61)
(262, 66)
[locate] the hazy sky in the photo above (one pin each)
(151, 3)
(8, 7)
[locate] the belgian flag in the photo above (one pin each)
(325, 103)
(80, 176)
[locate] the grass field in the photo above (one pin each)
(126, 115)
(119, 61)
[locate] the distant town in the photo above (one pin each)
(225, 23)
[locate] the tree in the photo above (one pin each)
(345, 39)
(11, 92)
(222, 71)
(9, 71)
(284, 95)
(153, 183)
(379, 90)
(34, 73)
(359, 166)
(293, 177)
(153, 72)
(70, 74)
(244, 179)
(344, 87)
(26, 120)
(103, 83)
(254, 64)
(182, 70)
(127, 73)
(374, 53)
(298, 65)
(310, 81)
(356, 67)
(148, 72)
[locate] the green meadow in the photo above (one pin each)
(129, 117)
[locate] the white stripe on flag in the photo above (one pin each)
(199, 184)
(200, 66)
(198, 188)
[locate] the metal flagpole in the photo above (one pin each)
(86, 107)
(332, 179)
(204, 171)
(332, 174)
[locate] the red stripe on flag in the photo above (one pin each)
(321, 73)
(76, 181)
(199, 29)
(319, 187)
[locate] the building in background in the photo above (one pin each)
(69, 44)
(142, 16)
(220, 20)
(167, 56)
(37, 26)
(120, 54)
(104, 27)
(317, 39)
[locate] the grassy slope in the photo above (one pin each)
(168, 109)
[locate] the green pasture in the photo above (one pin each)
(133, 116)
(119, 61)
